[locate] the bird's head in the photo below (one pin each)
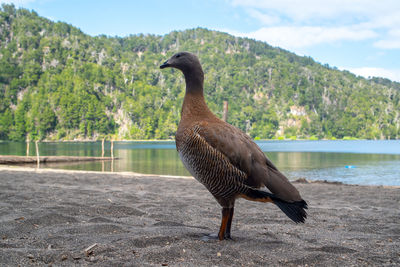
(183, 61)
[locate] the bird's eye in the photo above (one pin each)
(178, 55)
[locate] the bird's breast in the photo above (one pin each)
(209, 166)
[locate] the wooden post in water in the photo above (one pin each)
(225, 114)
(102, 148)
(37, 153)
(112, 155)
(112, 149)
(27, 147)
(102, 154)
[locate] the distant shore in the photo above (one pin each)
(79, 218)
(346, 138)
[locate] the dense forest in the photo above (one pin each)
(57, 83)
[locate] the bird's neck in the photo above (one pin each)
(194, 105)
(194, 79)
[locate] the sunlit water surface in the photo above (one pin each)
(353, 162)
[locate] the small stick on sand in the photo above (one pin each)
(89, 249)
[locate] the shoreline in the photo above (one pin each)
(50, 170)
(172, 140)
(136, 174)
(66, 218)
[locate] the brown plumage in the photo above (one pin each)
(223, 158)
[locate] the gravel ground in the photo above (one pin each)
(64, 218)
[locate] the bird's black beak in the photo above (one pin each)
(165, 65)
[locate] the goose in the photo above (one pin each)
(223, 158)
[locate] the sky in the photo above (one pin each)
(362, 36)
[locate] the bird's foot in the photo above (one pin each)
(215, 237)
(227, 236)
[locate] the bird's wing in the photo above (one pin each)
(208, 165)
(246, 156)
(241, 151)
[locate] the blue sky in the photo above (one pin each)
(362, 36)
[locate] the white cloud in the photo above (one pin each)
(391, 42)
(312, 22)
(388, 44)
(315, 9)
(367, 72)
(292, 37)
(266, 19)
(390, 20)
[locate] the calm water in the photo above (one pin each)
(353, 162)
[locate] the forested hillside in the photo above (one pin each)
(58, 83)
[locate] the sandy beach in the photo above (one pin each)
(64, 218)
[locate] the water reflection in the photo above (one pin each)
(372, 169)
(155, 161)
(313, 160)
(162, 158)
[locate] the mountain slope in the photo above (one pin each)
(59, 83)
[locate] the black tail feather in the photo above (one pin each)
(294, 210)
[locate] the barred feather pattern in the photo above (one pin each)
(209, 166)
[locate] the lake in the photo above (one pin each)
(364, 162)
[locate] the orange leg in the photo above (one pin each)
(229, 224)
(226, 223)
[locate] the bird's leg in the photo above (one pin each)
(224, 223)
(225, 229)
(229, 224)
